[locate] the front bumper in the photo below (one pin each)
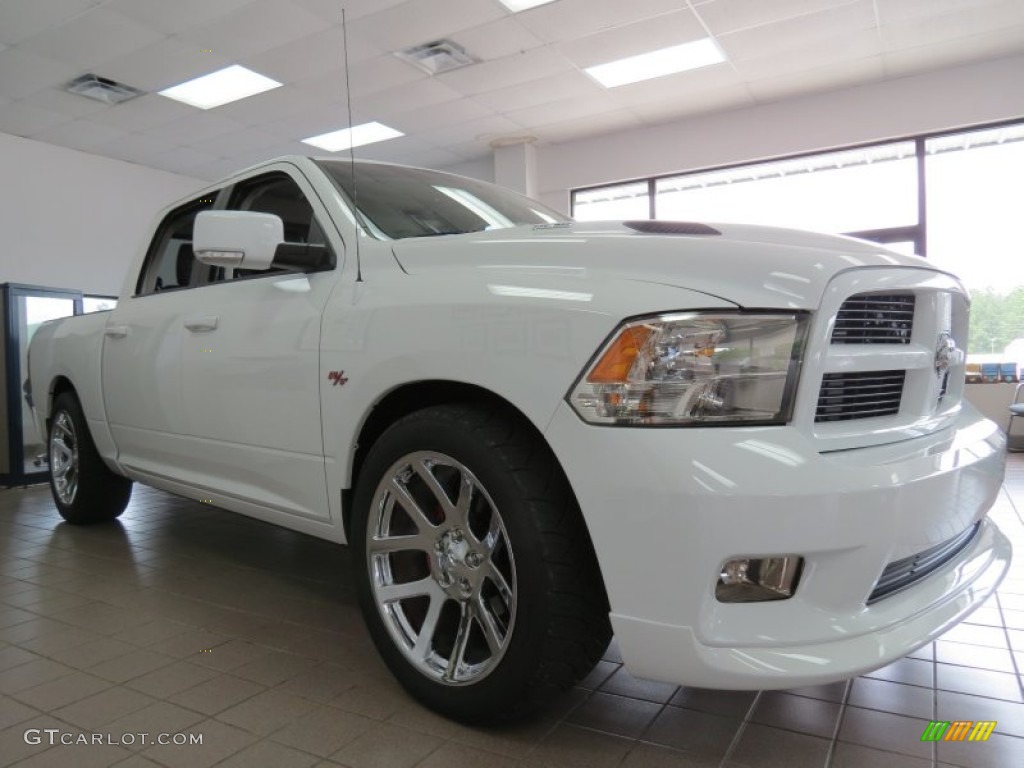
(667, 507)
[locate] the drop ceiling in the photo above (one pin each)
(529, 79)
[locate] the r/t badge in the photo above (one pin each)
(337, 378)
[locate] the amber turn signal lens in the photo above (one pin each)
(614, 365)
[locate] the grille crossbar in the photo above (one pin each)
(874, 318)
(861, 395)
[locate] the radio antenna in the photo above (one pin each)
(351, 150)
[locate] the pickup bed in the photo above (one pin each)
(743, 450)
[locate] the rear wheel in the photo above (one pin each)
(476, 574)
(84, 489)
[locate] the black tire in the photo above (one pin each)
(554, 628)
(84, 490)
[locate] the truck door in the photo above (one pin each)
(250, 365)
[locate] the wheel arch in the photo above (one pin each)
(414, 396)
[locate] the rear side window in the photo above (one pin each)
(171, 264)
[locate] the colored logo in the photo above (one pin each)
(958, 730)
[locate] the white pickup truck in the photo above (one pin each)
(744, 450)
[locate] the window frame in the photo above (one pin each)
(915, 232)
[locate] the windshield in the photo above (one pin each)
(399, 202)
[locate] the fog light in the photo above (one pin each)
(753, 580)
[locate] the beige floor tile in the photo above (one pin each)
(574, 747)
(267, 753)
(324, 730)
(64, 690)
(217, 694)
(453, 755)
(174, 678)
(105, 707)
(267, 712)
(387, 746)
(219, 742)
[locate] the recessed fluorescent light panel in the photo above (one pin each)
(221, 87)
(666, 61)
(523, 5)
(357, 136)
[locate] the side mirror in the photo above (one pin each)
(243, 239)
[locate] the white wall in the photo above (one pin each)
(950, 98)
(74, 220)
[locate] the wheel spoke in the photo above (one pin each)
(425, 638)
(493, 536)
(461, 640)
(390, 593)
(382, 545)
(408, 503)
(493, 633)
(465, 500)
(498, 579)
(423, 470)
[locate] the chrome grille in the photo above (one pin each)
(861, 395)
(902, 573)
(875, 318)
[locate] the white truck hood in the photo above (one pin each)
(754, 267)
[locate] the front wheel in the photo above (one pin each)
(476, 575)
(84, 489)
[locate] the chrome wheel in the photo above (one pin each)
(441, 570)
(64, 458)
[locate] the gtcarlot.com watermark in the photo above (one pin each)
(53, 737)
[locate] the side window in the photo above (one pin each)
(170, 263)
(276, 193)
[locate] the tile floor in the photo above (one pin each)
(185, 619)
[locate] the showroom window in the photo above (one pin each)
(975, 189)
(950, 197)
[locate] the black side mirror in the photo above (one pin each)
(302, 257)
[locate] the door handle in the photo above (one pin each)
(116, 331)
(201, 324)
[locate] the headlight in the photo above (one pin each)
(695, 369)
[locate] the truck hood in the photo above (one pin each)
(752, 266)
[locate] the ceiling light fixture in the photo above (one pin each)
(220, 87)
(357, 136)
(523, 5)
(666, 61)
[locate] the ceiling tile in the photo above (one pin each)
(133, 147)
(431, 158)
(853, 47)
(254, 28)
(20, 19)
(987, 45)
(318, 54)
(564, 86)
(64, 103)
(421, 94)
(844, 74)
(28, 121)
(330, 10)
(632, 39)
(695, 103)
(939, 27)
(420, 21)
(270, 105)
(372, 76)
(497, 39)
(676, 88)
(573, 19)
(323, 118)
(230, 144)
(196, 127)
(23, 73)
(173, 17)
(902, 11)
(483, 131)
(161, 65)
(143, 113)
(512, 70)
(589, 126)
(563, 110)
(79, 134)
(724, 16)
(427, 119)
(91, 38)
(787, 37)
